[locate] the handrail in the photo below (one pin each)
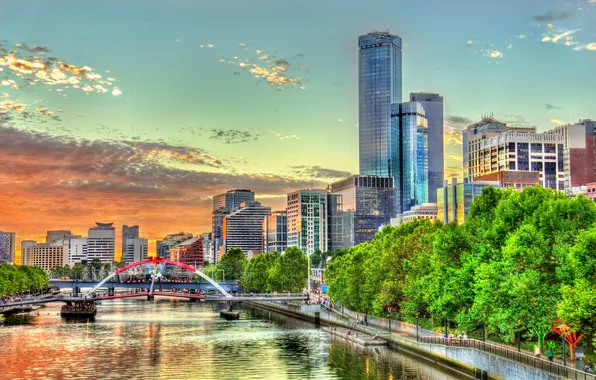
(511, 354)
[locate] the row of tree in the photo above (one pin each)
(266, 272)
(93, 270)
(22, 279)
(522, 262)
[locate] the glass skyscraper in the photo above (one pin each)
(411, 177)
(433, 109)
(380, 85)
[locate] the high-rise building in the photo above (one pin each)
(189, 252)
(52, 253)
(368, 202)
(380, 85)
(335, 222)
(77, 249)
(307, 220)
(224, 204)
(454, 200)
(275, 232)
(411, 176)
(169, 241)
(7, 247)
(433, 109)
(101, 242)
(57, 236)
(128, 232)
(135, 249)
(579, 154)
(244, 228)
(207, 239)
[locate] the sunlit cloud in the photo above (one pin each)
(282, 137)
(521, 37)
(560, 36)
(304, 171)
(494, 54)
(556, 121)
(469, 43)
(454, 157)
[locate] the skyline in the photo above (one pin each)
(177, 118)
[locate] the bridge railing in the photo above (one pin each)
(512, 354)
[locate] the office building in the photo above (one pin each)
(275, 232)
(189, 252)
(128, 232)
(380, 86)
(423, 211)
(169, 241)
(454, 200)
(512, 179)
(433, 109)
(7, 247)
(591, 191)
(513, 149)
(335, 222)
(207, 241)
(101, 242)
(77, 249)
(307, 220)
(243, 228)
(57, 236)
(24, 245)
(217, 217)
(411, 176)
(579, 155)
(367, 203)
(135, 249)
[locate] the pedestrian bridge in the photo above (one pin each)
(229, 286)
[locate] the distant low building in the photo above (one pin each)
(512, 179)
(7, 247)
(189, 252)
(454, 200)
(591, 191)
(423, 211)
(169, 241)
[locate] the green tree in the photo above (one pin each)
(95, 266)
(233, 264)
(315, 258)
(289, 272)
(212, 272)
(256, 277)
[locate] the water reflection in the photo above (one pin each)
(172, 339)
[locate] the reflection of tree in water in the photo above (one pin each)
(154, 340)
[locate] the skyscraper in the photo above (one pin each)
(433, 109)
(307, 220)
(135, 250)
(380, 85)
(244, 228)
(101, 242)
(275, 232)
(131, 232)
(7, 247)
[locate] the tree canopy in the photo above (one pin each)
(22, 279)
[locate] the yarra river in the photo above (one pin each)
(173, 339)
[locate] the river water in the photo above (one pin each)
(174, 339)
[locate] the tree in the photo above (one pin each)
(95, 267)
(233, 263)
(212, 272)
(289, 273)
(256, 277)
(315, 258)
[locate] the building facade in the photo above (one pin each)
(454, 200)
(423, 211)
(169, 241)
(46, 256)
(101, 242)
(77, 249)
(244, 228)
(433, 109)
(7, 247)
(411, 177)
(367, 203)
(57, 236)
(307, 220)
(207, 240)
(516, 149)
(189, 252)
(579, 155)
(513, 179)
(135, 249)
(380, 86)
(275, 232)
(128, 232)
(591, 191)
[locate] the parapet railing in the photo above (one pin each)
(512, 354)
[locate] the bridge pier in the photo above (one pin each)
(150, 297)
(111, 292)
(229, 314)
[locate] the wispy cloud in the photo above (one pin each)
(560, 36)
(494, 54)
(551, 16)
(233, 136)
(453, 125)
(551, 107)
(521, 37)
(454, 157)
(557, 121)
(286, 137)
(304, 171)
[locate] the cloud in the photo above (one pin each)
(551, 107)
(453, 172)
(453, 125)
(563, 36)
(454, 157)
(305, 171)
(233, 136)
(469, 43)
(282, 137)
(276, 71)
(590, 47)
(494, 54)
(552, 16)
(518, 121)
(556, 121)
(521, 36)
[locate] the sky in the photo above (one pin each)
(138, 111)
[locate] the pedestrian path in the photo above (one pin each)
(356, 337)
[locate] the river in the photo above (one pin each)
(174, 339)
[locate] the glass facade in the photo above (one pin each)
(275, 232)
(412, 176)
(433, 109)
(307, 220)
(368, 203)
(454, 200)
(380, 85)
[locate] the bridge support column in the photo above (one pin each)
(150, 297)
(111, 292)
(481, 374)
(75, 291)
(317, 318)
(230, 306)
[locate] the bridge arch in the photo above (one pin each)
(156, 261)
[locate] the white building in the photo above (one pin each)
(307, 220)
(77, 249)
(423, 211)
(135, 250)
(101, 242)
(45, 255)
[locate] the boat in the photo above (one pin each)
(79, 309)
